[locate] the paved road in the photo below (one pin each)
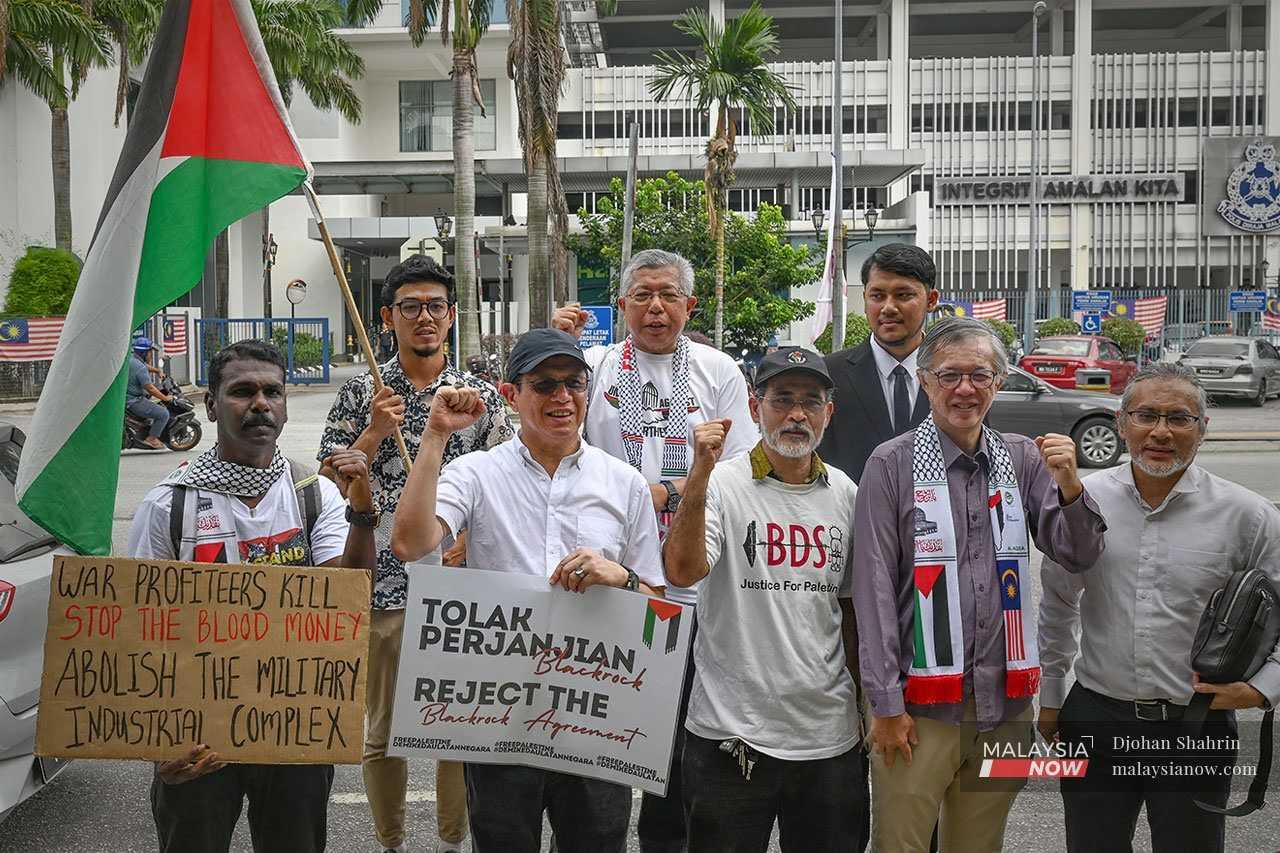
(102, 805)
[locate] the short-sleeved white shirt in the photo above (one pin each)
(224, 529)
(521, 520)
(769, 654)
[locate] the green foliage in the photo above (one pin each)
(761, 265)
(42, 283)
(1129, 334)
(1059, 326)
(1006, 332)
(307, 350)
(856, 330)
(43, 35)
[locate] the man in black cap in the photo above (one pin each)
(773, 730)
(543, 503)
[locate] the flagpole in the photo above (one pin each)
(352, 310)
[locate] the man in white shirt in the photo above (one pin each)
(544, 503)
(1175, 534)
(773, 730)
(243, 502)
(647, 394)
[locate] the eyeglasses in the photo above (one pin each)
(949, 379)
(785, 405)
(547, 387)
(668, 297)
(1177, 421)
(437, 309)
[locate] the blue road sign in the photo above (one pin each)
(599, 328)
(1247, 300)
(1091, 324)
(1095, 301)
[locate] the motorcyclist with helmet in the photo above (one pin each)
(141, 390)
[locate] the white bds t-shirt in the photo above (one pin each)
(769, 654)
(224, 529)
(716, 388)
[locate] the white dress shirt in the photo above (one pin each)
(521, 520)
(885, 363)
(1137, 609)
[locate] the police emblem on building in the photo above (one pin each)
(1253, 191)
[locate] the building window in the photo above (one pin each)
(426, 116)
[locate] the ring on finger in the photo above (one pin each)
(579, 573)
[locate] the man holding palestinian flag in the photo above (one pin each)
(943, 522)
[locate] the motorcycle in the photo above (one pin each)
(181, 433)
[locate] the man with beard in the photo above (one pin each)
(943, 524)
(242, 502)
(545, 504)
(773, 729)
(418, 304)
(647, 394)
(1177, 534)
(877, 392)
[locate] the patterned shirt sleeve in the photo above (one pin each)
(348, 417)
(497, 427)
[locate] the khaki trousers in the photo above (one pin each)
(386, 779)
(942, 786)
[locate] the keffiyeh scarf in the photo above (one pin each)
(208, 472)
(675, 445)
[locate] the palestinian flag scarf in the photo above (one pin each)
(937, 667)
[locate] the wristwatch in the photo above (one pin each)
(363, 519)
(673, 497)
(633, 580)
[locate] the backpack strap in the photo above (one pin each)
(177, 513)
(1257, 790)
(306, 488)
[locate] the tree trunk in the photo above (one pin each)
(464, 202)
(720, 277)
(60, 148)
(539, 249)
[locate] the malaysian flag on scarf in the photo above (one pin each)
(983, 309)
(1011, 601)
(33, 339)
(175, 335)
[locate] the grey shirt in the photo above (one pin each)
(1136, 613)
(883, 586)
(139, 379)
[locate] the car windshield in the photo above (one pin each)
(1064, 347)
(20, 537)
(1219, 349)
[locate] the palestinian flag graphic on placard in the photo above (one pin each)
(210, 142)
(665, 611)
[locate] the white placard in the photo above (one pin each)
(501, 668)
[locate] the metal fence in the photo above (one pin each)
(304, 342)
(22, 380)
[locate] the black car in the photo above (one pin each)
(1027, 406)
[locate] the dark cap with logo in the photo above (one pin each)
(786, 359)
(536, 346)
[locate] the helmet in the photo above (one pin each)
(143, 344)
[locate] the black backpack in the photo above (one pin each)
(306, 487)
(1238, 630)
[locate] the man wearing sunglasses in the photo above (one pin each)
(1179, 533)
(418, 304)
(773, 730)
(546, 504)
(943, 523)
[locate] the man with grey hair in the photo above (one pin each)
(1180, 532)
(943, 523)
(647, 394)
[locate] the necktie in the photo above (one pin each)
(901, 401)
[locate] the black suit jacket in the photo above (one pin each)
(861, 422)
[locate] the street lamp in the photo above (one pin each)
(872, 216)
(817, 217)
(444, 225)
(269, 249)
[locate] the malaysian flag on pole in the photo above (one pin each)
(1270, 321)
(33, 339)
(175, 334)
(1150, 313)
(983, 309)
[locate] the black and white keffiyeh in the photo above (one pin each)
(675, 445)
(210, 473)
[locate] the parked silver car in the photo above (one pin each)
(26, 561)
(1031, 407)
(1230, 366)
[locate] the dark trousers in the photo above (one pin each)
(505, 805)
(819, 805)
(661, 826)
(1123, 776)
(288, 805)
(144, 407)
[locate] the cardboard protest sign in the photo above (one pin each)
(144, 659)
(501, 668)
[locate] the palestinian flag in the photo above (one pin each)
(935, 675)
(210, 142)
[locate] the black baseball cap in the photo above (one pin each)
(786, 359)
(536, 346)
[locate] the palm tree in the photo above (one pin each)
(729, 75)
(465, 21)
